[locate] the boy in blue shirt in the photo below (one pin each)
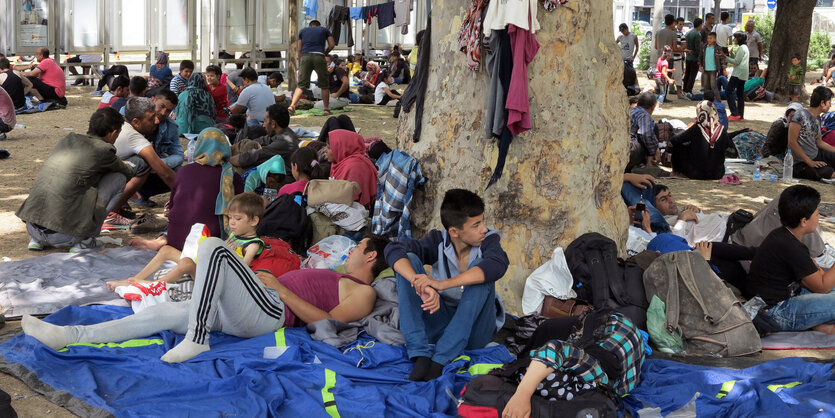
(457, 307)
(180, 81)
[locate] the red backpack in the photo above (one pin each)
(277, 257)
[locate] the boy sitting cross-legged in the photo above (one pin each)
(243, 213)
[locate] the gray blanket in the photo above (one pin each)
(43, 285)
(796, 340)
(383, 323)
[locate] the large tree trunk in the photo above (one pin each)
(293, 50)
(657, 24)
(563, 178)
(792, 30)
(717, 9)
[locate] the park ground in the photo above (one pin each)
(30, 147)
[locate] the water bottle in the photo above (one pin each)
(270, 194)
(757, 175)
(788, 167)
(19, 126)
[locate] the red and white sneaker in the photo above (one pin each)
(115, 222)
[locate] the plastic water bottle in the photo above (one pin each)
(757, 175)
(19, 126)
(788, 167)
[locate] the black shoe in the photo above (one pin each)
(127, 212)
(62, 101)
(79, 82)
(421, 367)
(434, 371)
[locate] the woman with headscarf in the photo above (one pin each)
(699, 151)
(777, 139)
(662, 76)
(201, 191)
(346, 150)
(369, 83)
(161, 73)
(270, 174)
(195, 107)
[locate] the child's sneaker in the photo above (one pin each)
(35, 245)
(87, 244)
(115, 222)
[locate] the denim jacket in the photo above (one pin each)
(167, 144)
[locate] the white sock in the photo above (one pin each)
(185, 350)
(50, 335)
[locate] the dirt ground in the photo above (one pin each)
(30, 147)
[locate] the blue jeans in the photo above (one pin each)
(254, 122)
(470, 325)
(354, 98)
(736, 97)
(633, 195)
(804, 311)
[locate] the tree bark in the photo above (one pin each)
(657, 24)
(717, 9)
(293, 50)
(562, 178)
(792, 30)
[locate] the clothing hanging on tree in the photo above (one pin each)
(501, 13)
(403, 15)
(469, 37)
(385, 15)
(415, 93)
(499, 61)
(524, 46)
(551, 5)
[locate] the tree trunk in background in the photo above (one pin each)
(293, 51)
(717, 10)
(657, 24)
(563, 178)
(792, 30)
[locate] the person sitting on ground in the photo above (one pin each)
(274, 81)
(13, 84)
(180, 81)
(333, 123)
(47, 78)
(195, 108)
(383, 94)
(777, 139)
(797, 76)
(399, 69)
(246, 304)
(8, 119)
(107, 77)
(269, 175)
(346, 151)
(814, 159)
(315, 42)
(305, 166)
(255, 98)
(359, 63)
(78, 185)
(457, 308)
(216, 86)
(166, 142)
(797, 292)
(243, 213)
(279, 140)
(138, 87)
(643, 140)
(133, 147)
(234, 85)
(120, 88)
(161, 74)
(721, 110)
(826, 75)
(339, 86)
(699, 151)
(200, 193)
(372, 77)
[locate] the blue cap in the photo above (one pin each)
(668, 243)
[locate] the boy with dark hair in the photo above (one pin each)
(797, 292)
(138, 86)
(796, 78)
(180, 81)
(78, 185)
(229, 297)
(710, 64)
(643, 142)
(279, 140)
(255, 98)
(457, 308)
(119, 88)
(216, 86)
(814, 159)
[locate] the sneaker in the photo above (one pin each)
(127, 212)
(2, 136)
(735, 118)
(87, 244)
(115, 222)
(35, 245)
(148, 224)
(142, 202)
(96, 93)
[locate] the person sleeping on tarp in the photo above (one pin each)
(228, 297)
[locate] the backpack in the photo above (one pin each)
(736, 221)
(277, 257)
(6, 410)
(604, 280)
(699, 307)
(487, 395)
(286, 218)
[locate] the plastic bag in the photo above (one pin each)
(328, 253)
(552, 278)
(144, 294)
(657, 326)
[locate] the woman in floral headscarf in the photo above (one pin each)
(160, 72)
(201, 191)
(195, 107)
(699, 152)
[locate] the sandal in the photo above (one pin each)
(327, 112)
(292, 110)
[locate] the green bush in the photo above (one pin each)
(643, 52)
(819, 45)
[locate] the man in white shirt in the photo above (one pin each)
(689, 222)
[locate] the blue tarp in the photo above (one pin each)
(670, 385)
(234, 378)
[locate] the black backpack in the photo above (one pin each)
(606, 281)
(736, 221)
(287, 220)
(6, 410)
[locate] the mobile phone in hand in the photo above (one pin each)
(640, 207)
